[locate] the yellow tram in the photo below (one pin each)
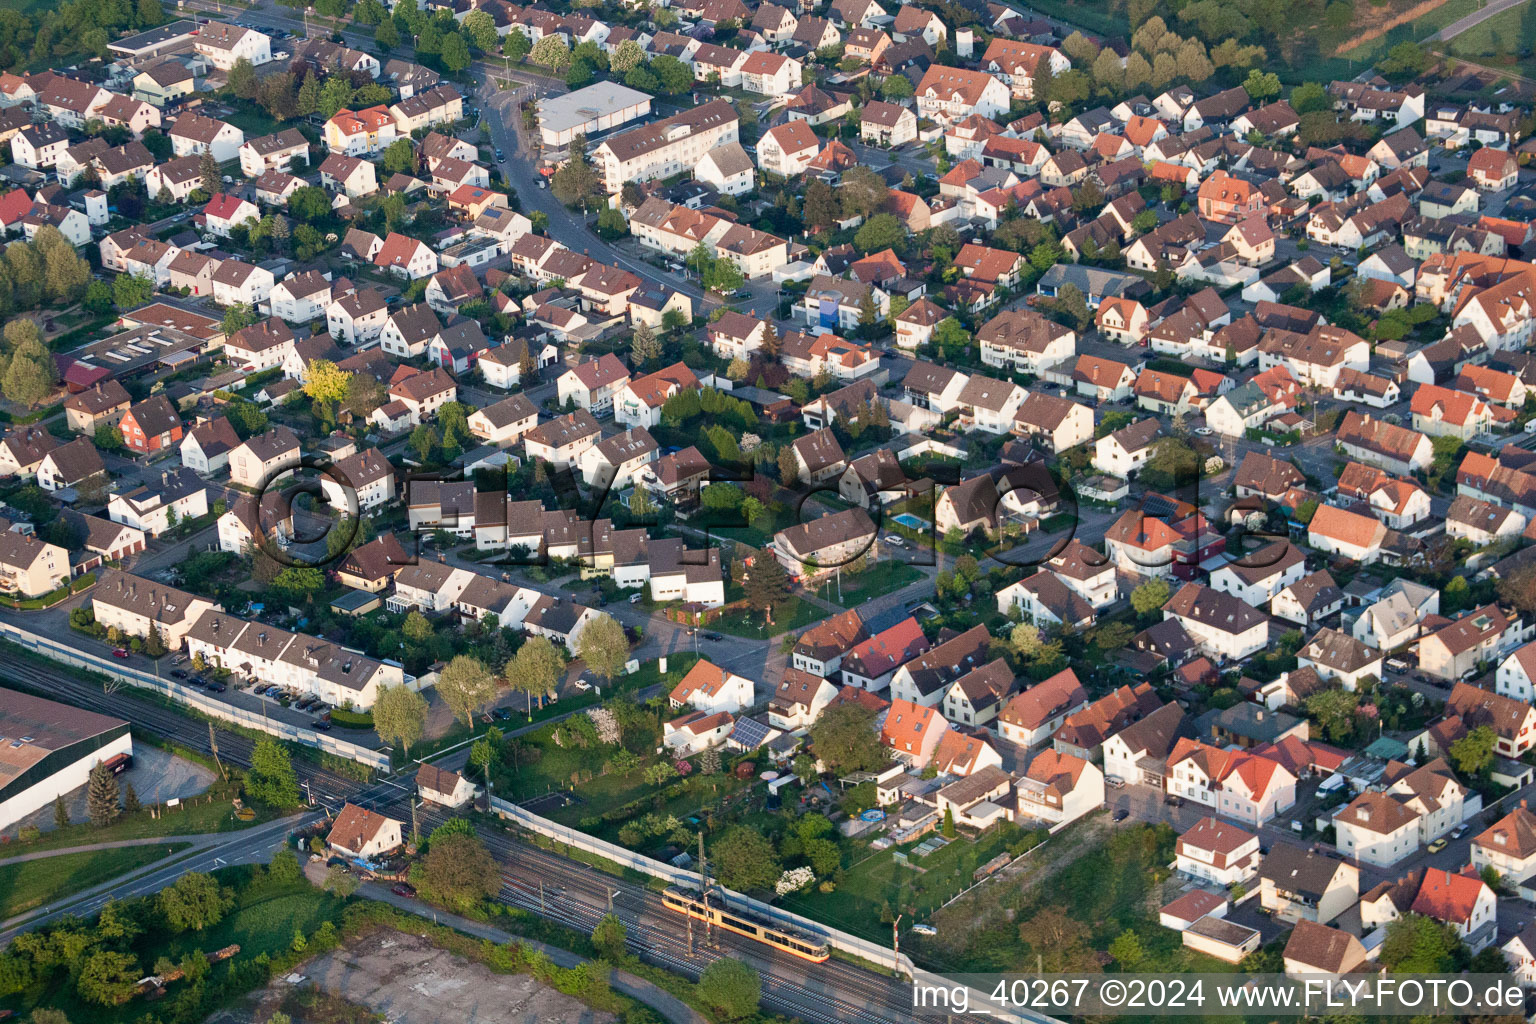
(795, 943)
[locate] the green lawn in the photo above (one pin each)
(878, 580)
(1499, 34)
(879, 880)
(797, 615)
(196, 816)
(1103, 883)
(34, 883)
(1415, 30)
(253, 121)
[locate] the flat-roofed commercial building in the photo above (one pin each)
(48, 749)
(593, 109)
(168, 38)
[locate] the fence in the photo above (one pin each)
(193, 698)
(863, 948)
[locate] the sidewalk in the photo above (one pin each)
(196, 840)
(658, 999)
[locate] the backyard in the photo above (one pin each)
(1090, 884)
(901, 881)
(854, 589)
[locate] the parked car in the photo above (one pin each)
(1114, 781)
(403, 889)
(120, 652)
(323, 724)
(1459, 831)
(177, 673)
(501, 714)
(635, 598)
(216, 687)
(924, 929)
(1437, 845)
(198, 681)
(715, 637)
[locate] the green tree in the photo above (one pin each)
(882, 231)
(1416, 944)
(1334, 711)
(820, 209)
(324, 381)
(576, 181)
(731, 987)
(608, 934)
(481, 29)
(466, 686)
(101, 796)
(1150, 596)
(948, 828)
(98, 297)
(722, 276)
(60, 812)
(271, 780)
(399, 716)
(1406, 60)
(108, 977)
(339, 882)
(1127, 951)
(299, 582)
(1473, 753)
(673, 75)
(193, 902)
(644, 346)
(1263, 86)
(417, 627)
(603, 646)
(1309, 97)
(949, 334)
(31, 375)
(743, 858)
(129, 291)
(626, 57)
(242, 79)
(455, 53)
(552, 52)
(845, 737)
(485, 752)
(516, 44)
(400, 155)
(208, 171)
(611, 224)
(766, 585)
(460, 872)
(423, 441)
(534, 670)
(309, 203)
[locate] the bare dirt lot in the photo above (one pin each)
(403, 979)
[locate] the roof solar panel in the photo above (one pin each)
(749, 732)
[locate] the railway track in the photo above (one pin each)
(574, 895)
(578, 896)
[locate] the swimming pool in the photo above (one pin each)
(909, 520)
